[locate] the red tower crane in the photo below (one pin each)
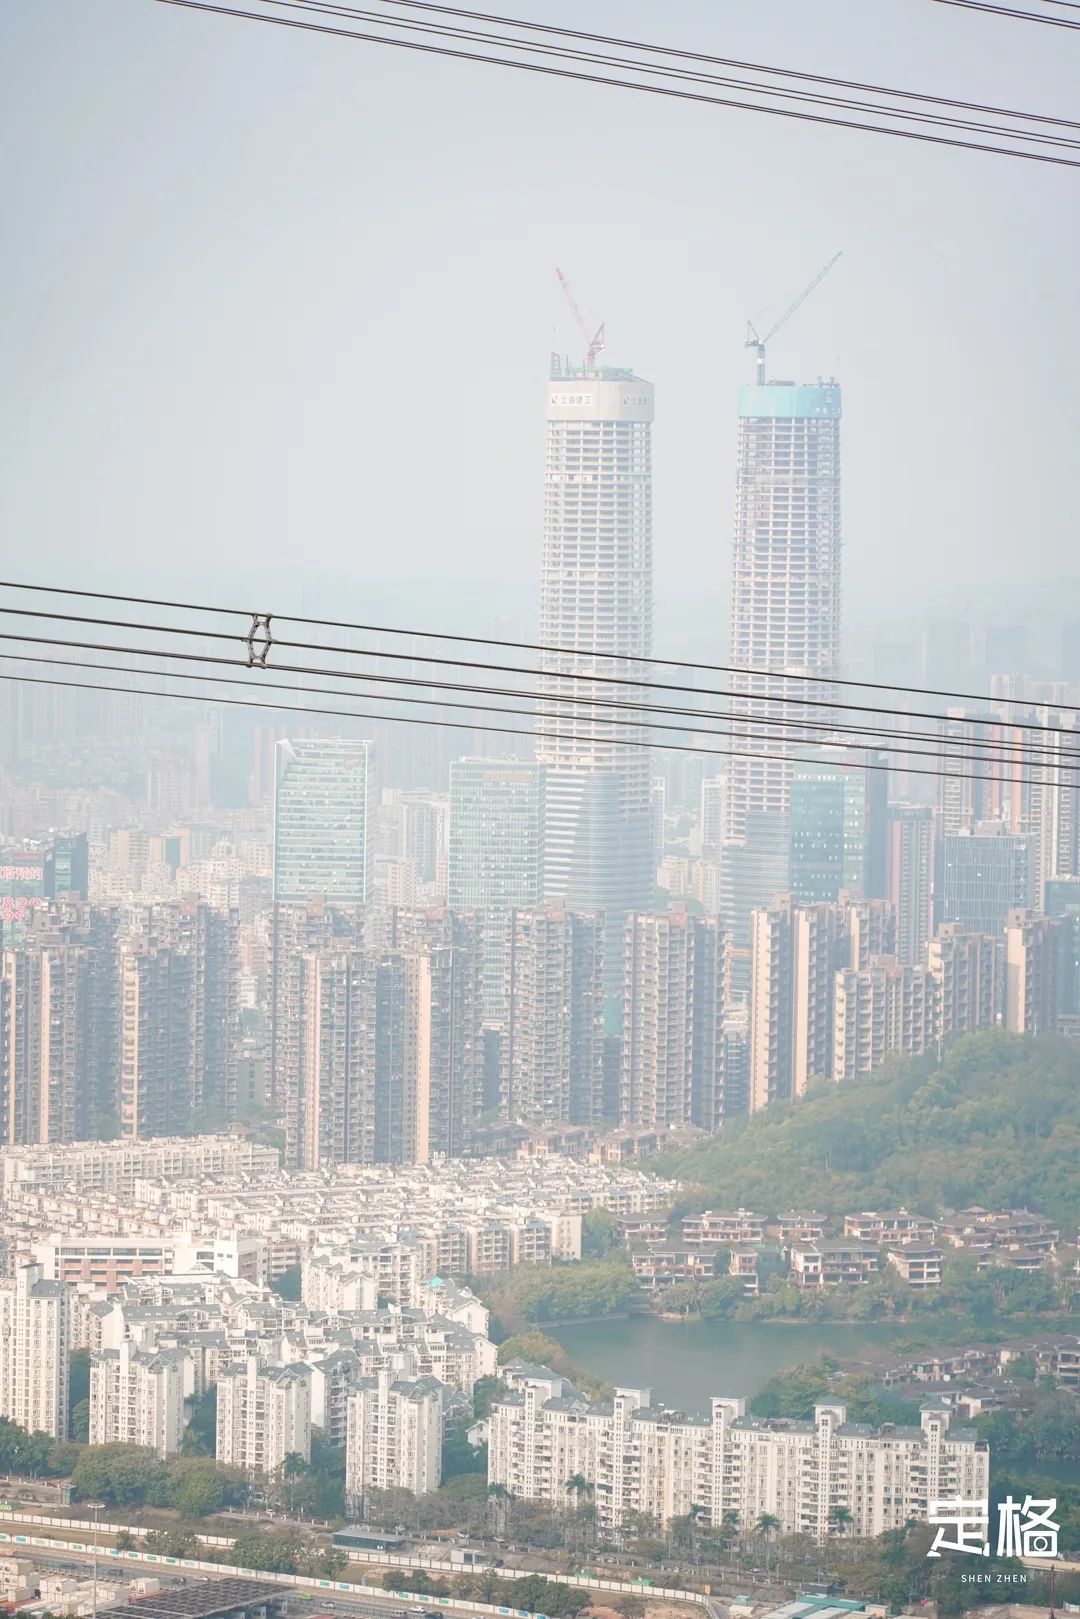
(594, 345)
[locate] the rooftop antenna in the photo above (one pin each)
(753, 341)
(594, 345)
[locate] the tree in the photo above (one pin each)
(172, 1542)
(288, 1284)
(125, 1541)
(840, 1518)
(767, 1525)
(80, 1422)
(599, 1234)
(79, 1395)
(196, 1487)
(274, 1553)
(200, 1435)
(485, 1390)
(502, 1502)
(322, 1562)
(120, 1475)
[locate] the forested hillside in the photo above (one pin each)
(997, 1124)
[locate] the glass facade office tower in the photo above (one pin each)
(496, 856)
(837, 822)
(321, 821)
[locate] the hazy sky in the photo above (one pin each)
(276, 309)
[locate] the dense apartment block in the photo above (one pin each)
(886, 1009)
(394, 1437)
(1032, 972)
(909, 877)
(967, 969)
(45, 1039)
(137, 1398)
(553, 1052)
(673, 1017)
(794, 955)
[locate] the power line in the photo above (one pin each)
(1013, 12)
(454, 725)
(581, 653)
(947, 745)
(820, 704)
(329, 8)
(945, 748)
(724, 61)
(668, 91)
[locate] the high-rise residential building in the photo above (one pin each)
(785, 603)
(837, 826)
(297, 931)
(974, 759)
(909, 878)
(335, 1119)
(870, 926)
(204, 971)
(982, 876)
(137, 1398)
(447, 1004)
(394, 1436)
(321, 815)
(1044, 799)
(553, 1053)
(1032, 972)
(673, 1021)
(34, 1347)
(967, 971)
(155, 1079)
(712, 815)
(596, 608)
(881, 1009)
(263, 1415)
(496, 856)
(46, 1038)
(1061, 898)
(795, 953)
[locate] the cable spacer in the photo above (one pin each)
(259, 641)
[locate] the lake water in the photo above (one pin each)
(686, 1363)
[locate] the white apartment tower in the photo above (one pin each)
(596, 598)
(785, 603)
(137, 1398)
(394, 1436)
(34, 1344)
(263, 1415)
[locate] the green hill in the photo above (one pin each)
(997, 1123)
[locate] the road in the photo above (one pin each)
(377, 1605)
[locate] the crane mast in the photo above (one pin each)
(753, 341)
(594, 345)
